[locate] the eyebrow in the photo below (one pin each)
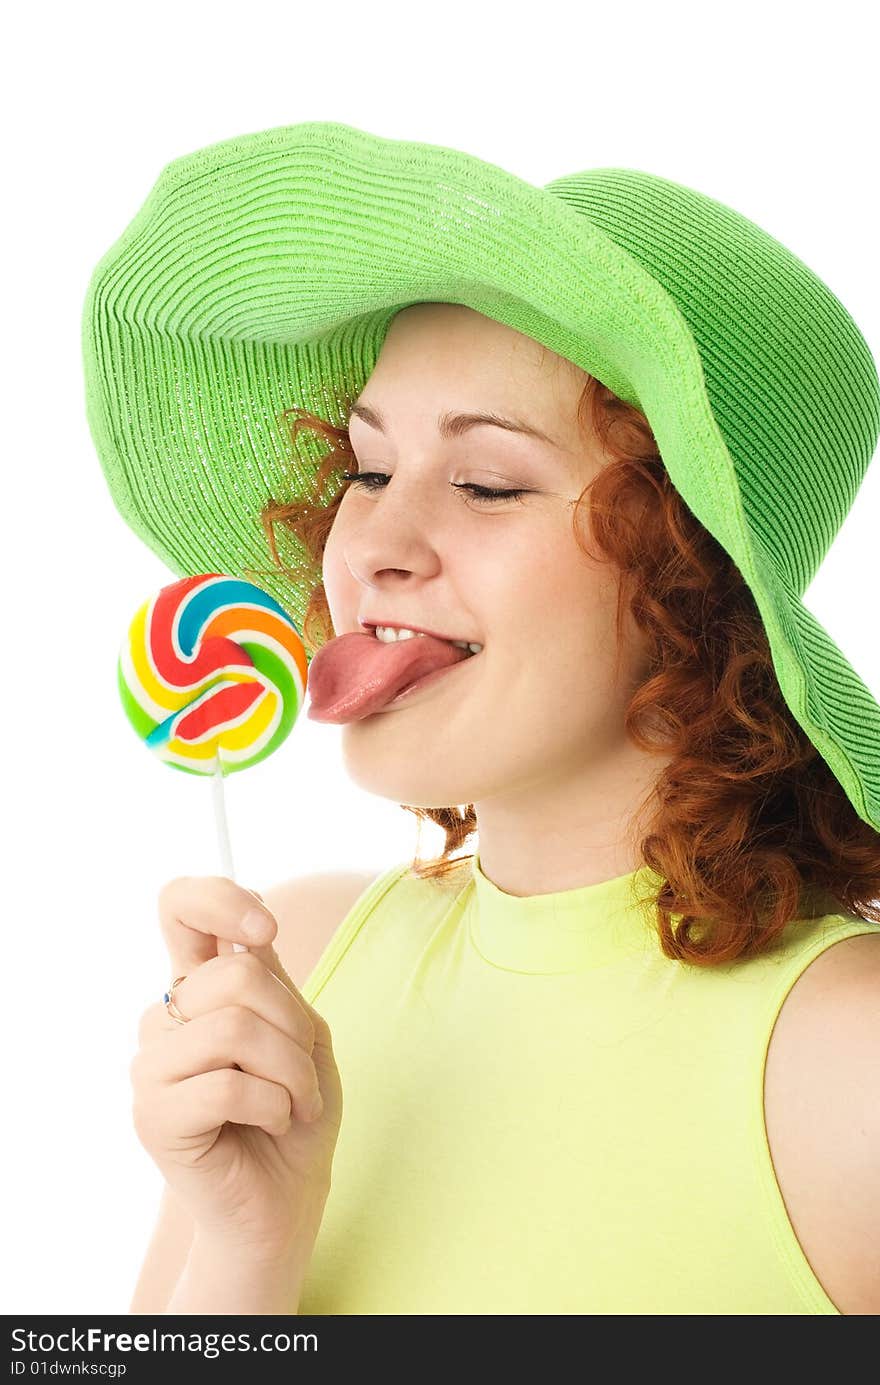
(451, 425)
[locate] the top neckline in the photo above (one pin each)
(566, 930)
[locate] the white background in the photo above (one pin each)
(758, 105)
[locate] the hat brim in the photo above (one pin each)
(264, 271)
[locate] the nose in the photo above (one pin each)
(392, 540)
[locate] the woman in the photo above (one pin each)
(553, 1051)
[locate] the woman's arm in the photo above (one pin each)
(308, 911)
(222, 1279)
(825, 1077)
(166, 1257)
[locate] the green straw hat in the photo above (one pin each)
(263, 272)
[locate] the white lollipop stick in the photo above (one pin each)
(223, 834)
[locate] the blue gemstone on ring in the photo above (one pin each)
(166, 997)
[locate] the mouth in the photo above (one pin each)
(428, 681)
(415, 631)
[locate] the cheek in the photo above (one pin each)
(560, 601)
(336, 575)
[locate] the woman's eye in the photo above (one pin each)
(484, 494)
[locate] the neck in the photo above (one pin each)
(549, 835)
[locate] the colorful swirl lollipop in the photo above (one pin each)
(213, 674)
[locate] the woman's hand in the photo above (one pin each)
(240, 1108)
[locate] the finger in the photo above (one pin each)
(224, 947)
(199, 914)
(201, 1104)
(229, 1037)
(238, 979)
(267, 954)
(265, 951)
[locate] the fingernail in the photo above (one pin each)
(255, 924)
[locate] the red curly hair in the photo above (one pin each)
(749, 829)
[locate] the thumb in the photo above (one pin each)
(265, 950)
(203, 916)
(270, 959)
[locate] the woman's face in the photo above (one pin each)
(540, 703)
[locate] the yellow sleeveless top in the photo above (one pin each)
(543, 1114)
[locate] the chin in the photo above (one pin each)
(400, 774)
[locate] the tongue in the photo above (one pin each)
(355, 675)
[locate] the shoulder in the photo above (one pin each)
(309, 909)
(830, 1019)
(824, 1073)
(845, 974)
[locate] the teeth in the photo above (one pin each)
(389, 634)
